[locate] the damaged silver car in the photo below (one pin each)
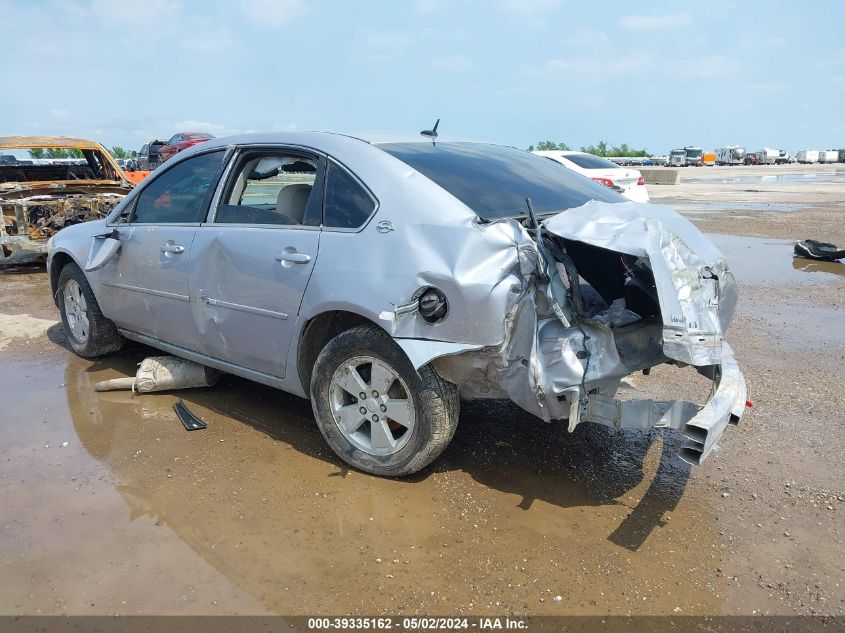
(48, 183)
(386, 281)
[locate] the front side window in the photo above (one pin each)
(273, 188)
(348, 205)
(494, 180)
(180, 194)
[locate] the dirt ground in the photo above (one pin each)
(108, 506)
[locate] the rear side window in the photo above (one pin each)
(179, 195)
(494, 180)
(347, 204)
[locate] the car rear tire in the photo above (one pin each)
(89, 333)
(376, 411)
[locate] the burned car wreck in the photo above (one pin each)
(47, 183)
(386, 281)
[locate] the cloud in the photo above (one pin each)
(452, 63)
(654, 22)
(381, 44)
(274, 13)
(426, 7)
(135, 14)
(529, 7)
(190, 125)
(768, 86)
(706, 67)
(602, 66)
(59, 113)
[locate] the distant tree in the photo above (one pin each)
(624, 149)
(36, 153)
(545, 146)
(119, 152)
(598, 150)
(601, 149)
(57, 152)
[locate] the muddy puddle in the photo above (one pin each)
(255, 513)
(699, 207)
(756, 260)
(837, 175)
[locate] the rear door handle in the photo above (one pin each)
(171, 247)
(294, 258)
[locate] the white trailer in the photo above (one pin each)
(677, 158)
(806, 156)
(767, 156)
(828, 156)
(730, 155)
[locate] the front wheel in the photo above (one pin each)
(89, 333)
(375, 410)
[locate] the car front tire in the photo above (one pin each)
(89, 333)
(376, 411)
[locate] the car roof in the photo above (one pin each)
(64, 142)
(323, 140)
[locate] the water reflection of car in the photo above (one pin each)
(180, 142)
(629, 182)
(386, 281)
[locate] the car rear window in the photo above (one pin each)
(494, 180)
(588, 161)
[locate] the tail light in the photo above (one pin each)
(607, 182)
(641, 180)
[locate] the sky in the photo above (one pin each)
(651, 74)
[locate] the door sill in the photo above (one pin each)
(202, 359)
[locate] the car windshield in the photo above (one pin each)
(494, 180)
(694, 153)
(588, 161)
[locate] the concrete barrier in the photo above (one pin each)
(660, 175)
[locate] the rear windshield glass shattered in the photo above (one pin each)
(494, 180)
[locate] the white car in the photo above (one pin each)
(628, 182)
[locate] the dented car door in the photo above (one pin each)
(145, 284)
(251, 262)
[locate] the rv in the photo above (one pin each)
(783, 157)
(677, 158)
(842, 155)
(693, 155)
(767, 156)
(730, 155)
(828, 156)
(806, 156)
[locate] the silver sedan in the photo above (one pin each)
(386, 281)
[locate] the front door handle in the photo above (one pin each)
(294, 258)
(171, 247)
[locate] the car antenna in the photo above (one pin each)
(432, 132)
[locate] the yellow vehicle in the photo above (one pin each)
(708, 159)
(43, 190)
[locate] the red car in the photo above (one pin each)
(180, 141)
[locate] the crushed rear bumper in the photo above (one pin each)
(702, 425)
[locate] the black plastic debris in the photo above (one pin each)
(189, 420)
(822, 251)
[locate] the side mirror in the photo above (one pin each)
(103, 248)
